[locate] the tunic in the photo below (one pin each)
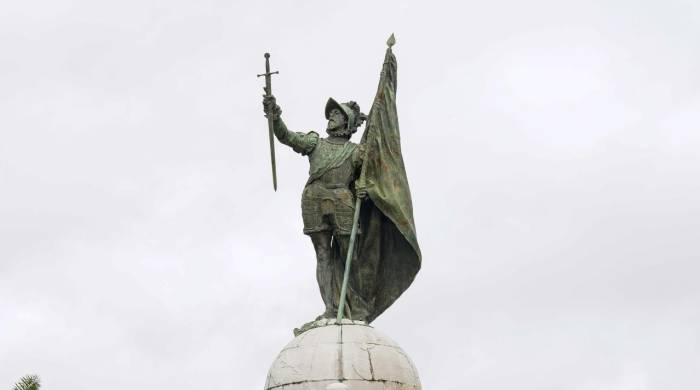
(328, 200)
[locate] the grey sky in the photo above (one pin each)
(552, 150)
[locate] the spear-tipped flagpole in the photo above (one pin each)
(353, 233)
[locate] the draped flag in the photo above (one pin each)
(389, 256)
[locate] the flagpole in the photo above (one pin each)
(355, 220)
(348, 260)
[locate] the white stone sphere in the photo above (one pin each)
(355, 355)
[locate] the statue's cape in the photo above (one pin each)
(388, 248)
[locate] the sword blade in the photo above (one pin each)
(272, 153)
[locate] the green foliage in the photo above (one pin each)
(28, 382)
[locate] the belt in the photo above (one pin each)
(327, 186)
(333, 186)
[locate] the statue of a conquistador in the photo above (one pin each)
(328, 199)
(385, 254)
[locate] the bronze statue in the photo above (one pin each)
(356, 204)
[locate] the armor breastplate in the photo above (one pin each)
(339, 176)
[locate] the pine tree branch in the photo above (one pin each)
(28, 382)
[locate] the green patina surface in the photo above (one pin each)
(386, 256)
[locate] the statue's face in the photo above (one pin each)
(336, 120)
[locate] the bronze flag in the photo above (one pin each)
(389, 256)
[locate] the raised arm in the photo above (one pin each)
(303, 143)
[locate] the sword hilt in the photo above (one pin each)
(267, 73)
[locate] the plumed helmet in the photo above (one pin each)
(350, 109)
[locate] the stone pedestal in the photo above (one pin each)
(350, 353)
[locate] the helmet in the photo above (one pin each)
(351, 111)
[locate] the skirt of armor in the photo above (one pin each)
(327, 209)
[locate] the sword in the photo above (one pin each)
(268, 92)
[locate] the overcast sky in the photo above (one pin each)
(552, 149)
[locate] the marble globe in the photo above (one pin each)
(349, 355)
